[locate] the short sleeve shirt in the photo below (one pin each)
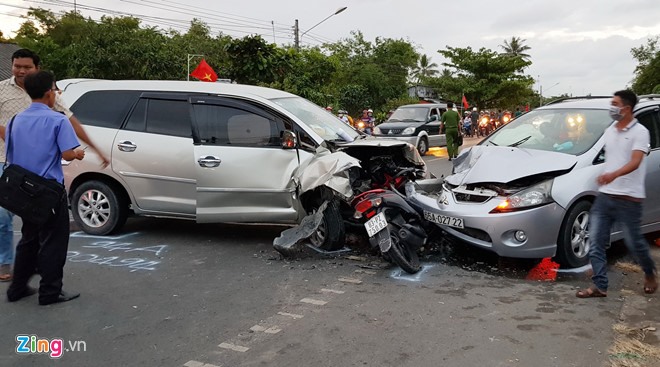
(14, 99)
(451, 119)
(37, 139)
(619, 146)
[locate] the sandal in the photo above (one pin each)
(591, 292)
(650, 284)
(5, 273)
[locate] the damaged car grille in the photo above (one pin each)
(475, 233)
(470, 198)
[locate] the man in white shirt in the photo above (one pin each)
(620, 196)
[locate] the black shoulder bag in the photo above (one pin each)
(32, 197)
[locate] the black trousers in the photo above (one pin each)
(42, 249)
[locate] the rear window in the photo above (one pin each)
(104, 108)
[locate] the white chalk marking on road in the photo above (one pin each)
(258, 328)
(350, 280)
(324, 290)
(361, 271)
(272, 330)
(194, 364)
(85, 235)
(313, 301)
(235, 348)
(291, 315)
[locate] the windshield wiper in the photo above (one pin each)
(520, 141)
(490, 141)
(393, 120)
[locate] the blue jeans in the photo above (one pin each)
(605, 211)
(6, 233)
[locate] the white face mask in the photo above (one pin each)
(615, 113)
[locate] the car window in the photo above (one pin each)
(410, 114)
(104, 108)
(223, 125)
(651, 120)
(137, 120)
(325, 124)
(572, 131)
(169, 117)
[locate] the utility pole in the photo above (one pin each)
(296, 39)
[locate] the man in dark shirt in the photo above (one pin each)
(450, 121)
(42, 246)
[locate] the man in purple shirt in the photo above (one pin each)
(37, 140)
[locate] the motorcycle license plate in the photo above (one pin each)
(376, 224)
(445, 220)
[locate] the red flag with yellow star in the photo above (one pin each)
(204, 72)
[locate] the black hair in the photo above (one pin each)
(25, 53)
(450, 104)
(628, 97)
(37, 84)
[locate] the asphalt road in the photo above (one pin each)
(175, 293)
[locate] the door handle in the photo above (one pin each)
(209, 161)
(126, 146)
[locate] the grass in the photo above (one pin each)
(628, 267)
(630, 350)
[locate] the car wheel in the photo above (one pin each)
(330, 233)
(98, 208)
(573, 241)
(423, 146)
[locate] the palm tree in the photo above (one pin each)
(516, 47)
(424, 69)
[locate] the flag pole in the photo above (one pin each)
(190, 56)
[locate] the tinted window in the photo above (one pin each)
(169, 117)
(136, 122)
(104, 108)
(222, 125)
(651, 120)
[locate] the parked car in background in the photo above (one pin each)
(417, 124)
(214, 152)
(526, 190)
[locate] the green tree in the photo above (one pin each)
(516, 47)
(647, 72)
(424, 69)
(488, 79)
(254, 61)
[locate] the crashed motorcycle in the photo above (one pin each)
(393, 226)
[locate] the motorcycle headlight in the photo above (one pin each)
(377, 131)
(408, 131)
(533, 196)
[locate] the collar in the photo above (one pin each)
(633, 122)
(12, 81)
(38, 106)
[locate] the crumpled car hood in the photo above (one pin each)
(505, 164)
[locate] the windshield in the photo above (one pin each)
(410, 114)
(325, 124)
(572, 131)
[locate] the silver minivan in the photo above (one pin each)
(213, 152)
(526, 190)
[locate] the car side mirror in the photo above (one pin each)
(433, 118)
(289, 140)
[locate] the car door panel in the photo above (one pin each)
(651, 120)
(252, 182)
(156, 165)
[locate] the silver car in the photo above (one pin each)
(214, 152)
(526, 190)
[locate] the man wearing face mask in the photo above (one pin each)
(620, 196)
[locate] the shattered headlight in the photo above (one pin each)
(377, 131)
(408, 131)
(533, 196)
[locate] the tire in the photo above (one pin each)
(423, 146)
(402, 255)
(98, 208)
(331, 232)
(573, 241)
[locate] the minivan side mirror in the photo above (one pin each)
(433, 118)
(289, 140)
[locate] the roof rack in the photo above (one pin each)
(575, 98)
(649, 96)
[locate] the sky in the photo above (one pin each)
(578, 47)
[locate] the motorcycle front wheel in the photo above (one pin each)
(403, 255)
